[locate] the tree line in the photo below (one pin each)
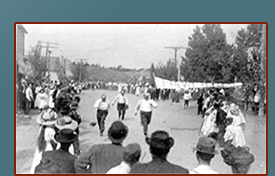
(210, 58)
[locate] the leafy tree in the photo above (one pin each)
(247, 54)
(208, 55)
(250, 54)
(167, 70)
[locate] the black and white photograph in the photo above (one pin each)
(167, 98)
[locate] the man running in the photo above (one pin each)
(145, 107)
(102, 105)
(122, 104)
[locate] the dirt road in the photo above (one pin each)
(182, 125)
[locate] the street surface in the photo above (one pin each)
(182, 125)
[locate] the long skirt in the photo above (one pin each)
(208, 125)
(239, 139)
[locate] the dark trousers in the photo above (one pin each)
(76, 143)
(101, 116)
(186, 103)
(76, 146)
(28, 105)
(221, 133)
(200, 109)
(121, 108)
(145, 120)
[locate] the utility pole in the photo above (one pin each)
(80, 70)
(176, 52)
(48, 46)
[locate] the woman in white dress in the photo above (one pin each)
(237, 126)
(137, 90)
(50, 98)
(208, 124)
(41, 99)
(45, 141)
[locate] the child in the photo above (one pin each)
(229, 131)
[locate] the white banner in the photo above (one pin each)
(166, 84)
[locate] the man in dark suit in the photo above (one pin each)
(59, 161)
(160, 144)
(102, 157)
(220, 122)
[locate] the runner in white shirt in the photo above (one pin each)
(102, 105)
(145, 107)
(122, 104)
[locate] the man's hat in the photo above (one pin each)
(117, 132)
(66, 122)
(131, 152)
(206, 145)
(47, 118)
(161, 140)
(65, 106)
(74, 105)
(65, 136)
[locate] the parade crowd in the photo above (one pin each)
(58, 147)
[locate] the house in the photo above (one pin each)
(23, 64)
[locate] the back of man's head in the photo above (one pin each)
(131, 153)
(204, 156)
(160, 143)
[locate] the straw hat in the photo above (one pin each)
(47, 118)
(66, 122)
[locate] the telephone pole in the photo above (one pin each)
(176, 52)
(80, 69)
(48, 46)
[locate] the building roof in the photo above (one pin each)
(20, 26)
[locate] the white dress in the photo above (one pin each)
(208, 124)
(239, 139)
(51, 103)
(137, 91)
(41, 100)
(49, 135)
(235, 131)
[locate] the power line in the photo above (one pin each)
(176, 51)
(47, 45)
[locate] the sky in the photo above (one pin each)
(129, 45)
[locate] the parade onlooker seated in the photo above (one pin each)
(239, 158)
(59, 161)
(131, 155)
(205, 152)
(102, 157)
(160, 144)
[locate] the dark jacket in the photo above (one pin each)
(158, 165)
(58, 161)
(99, 159)
(220, 117)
